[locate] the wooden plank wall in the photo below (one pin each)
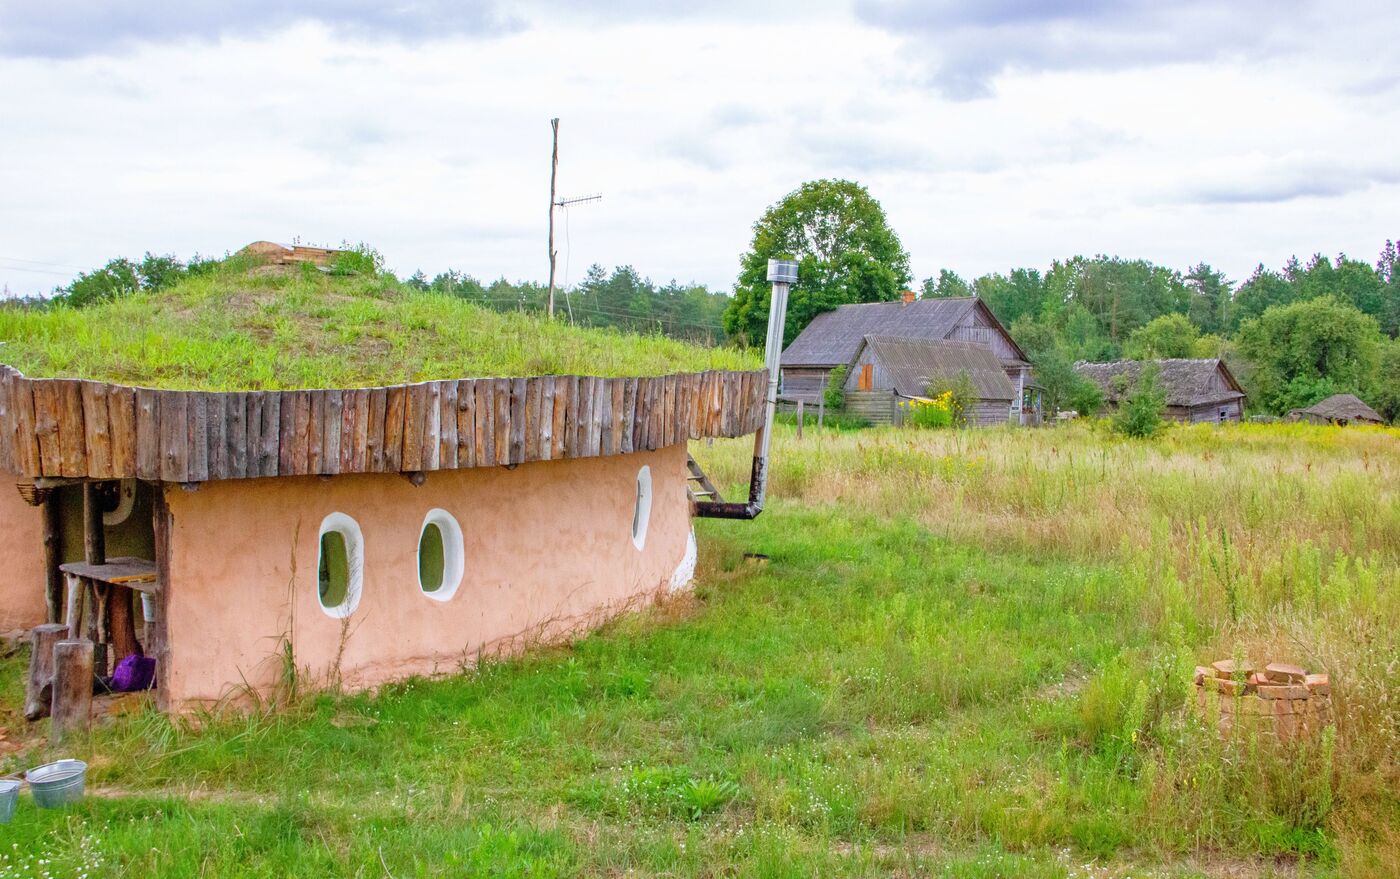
(73, 428)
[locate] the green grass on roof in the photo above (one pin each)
(278, 329)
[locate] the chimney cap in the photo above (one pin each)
(907, 296)
(782, 271)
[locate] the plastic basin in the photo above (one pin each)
(55, 785)
(9, 795)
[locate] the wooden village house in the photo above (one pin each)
(950, 328)
(371, 533)
(1201, 390)
(1339, 409)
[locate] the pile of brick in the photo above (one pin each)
(1282, 699)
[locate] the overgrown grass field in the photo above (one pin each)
(243, 327)
(968, 654)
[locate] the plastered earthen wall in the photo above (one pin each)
(21, 562)
(548, 549)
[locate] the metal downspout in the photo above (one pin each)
(782, 273)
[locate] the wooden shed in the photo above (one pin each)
(891, 369)
(1339, 409)
(365, 534)
(835, 338)
(1201, 390)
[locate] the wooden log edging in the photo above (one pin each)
(71, 428)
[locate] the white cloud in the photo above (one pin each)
(433, 144)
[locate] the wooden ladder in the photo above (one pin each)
(697, 478)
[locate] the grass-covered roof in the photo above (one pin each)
(242, 327)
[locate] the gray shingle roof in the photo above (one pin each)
(1187, 382)
(834, 337)
(912, 364)
(1342, 406)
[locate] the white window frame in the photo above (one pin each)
(454, 563)
(354, 538)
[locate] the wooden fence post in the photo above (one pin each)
(38, 691)
(799, 419)
(72, 688)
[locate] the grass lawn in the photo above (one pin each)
(968, 655)
(238, 328)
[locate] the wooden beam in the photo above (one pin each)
(94, 537)
(53, 577)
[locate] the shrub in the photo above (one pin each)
(1141, 410)
(961, 394)
(835, 394)
(937, 412)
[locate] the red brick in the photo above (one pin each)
(1318, 685)
(1226, 686)
(1283, 691)
(1285, 673)
(1227, 668)
(1201, 674)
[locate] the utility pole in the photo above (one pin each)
(557, 203)
(553, 172)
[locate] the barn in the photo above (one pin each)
(1202, 390)
(836, 338)
(889, 370)
(1340, 409)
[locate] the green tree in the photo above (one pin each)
(1064, 388)
(1170, 335)
(1387, 392)
(1210, 298)
(119, 277)
(846, 252)
(1140, 411)
(1294, 347)
(948, 286)
(159, 272)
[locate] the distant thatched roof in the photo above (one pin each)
(1187, 382)
(913, 364)
(834, 337)
(1341, 407)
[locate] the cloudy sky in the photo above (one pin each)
(998, 133)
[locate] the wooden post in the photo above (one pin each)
(38, 692)
(821, 411)
(122, 630)
(553, 173)
(53, 577)
(94, 539)
(72, 689)
(799, 419)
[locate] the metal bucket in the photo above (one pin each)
(9, 795)
(55, 785)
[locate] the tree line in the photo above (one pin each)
(1293, 335)
(622, 298)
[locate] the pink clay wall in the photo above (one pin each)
(548, 552)
(21, 561)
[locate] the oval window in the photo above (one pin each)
(641, 512)
(340, 565)
(440, 555)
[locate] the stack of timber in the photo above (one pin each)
(71, 428)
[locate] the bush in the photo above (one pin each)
(961, 394)
(835, 394)
(934, 413)
(1141, 410)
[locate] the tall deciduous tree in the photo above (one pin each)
(846, 252)
(1306, 350)
(1170, 335)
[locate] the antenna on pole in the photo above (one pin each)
(555, 202)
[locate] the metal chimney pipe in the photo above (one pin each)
(782, 274)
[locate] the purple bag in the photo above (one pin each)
(135, 672)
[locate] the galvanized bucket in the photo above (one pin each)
(9, 795)
(56, 785)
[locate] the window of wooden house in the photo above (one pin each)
(339, 565)
(641, 510)
(441, 561)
